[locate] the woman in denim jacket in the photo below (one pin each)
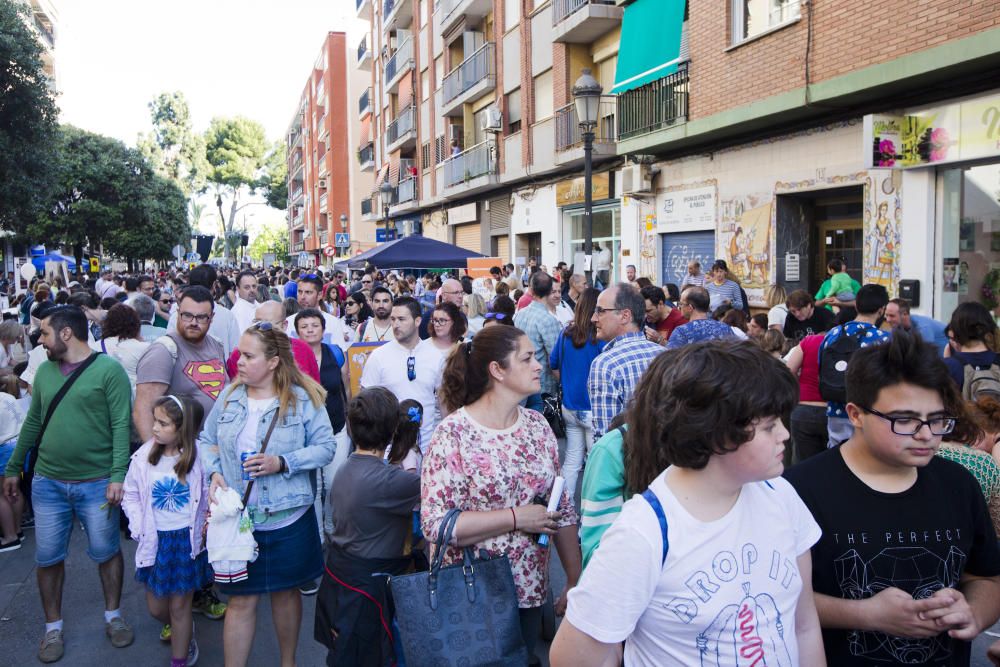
(270, 386)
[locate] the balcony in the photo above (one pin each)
(366, 156)
(365, 103)
(583, 21)
(471, 80)
(396, 14)
(322, 202)
(454, 10)
(295, 164)
(652, 107)
(399, 64)
(470, 171)
(321, 128)
(299, 246)
(323, 237)
(367, 210)
(295, 139)
(569, 136)
(297, 219)
(295, 195)
(364, 9)
(406, 191)
(364, 55)
(401, 133)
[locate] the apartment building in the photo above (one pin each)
(323, 177)
(469, 119)
(794, 132)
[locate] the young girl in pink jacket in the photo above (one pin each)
(166, 504)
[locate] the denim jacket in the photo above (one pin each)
(303, 437)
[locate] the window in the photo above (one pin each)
(511, 14)
(543, 96)
(425, 85)
(425, 156)
(512, 104)
(440, 154)
(752, 17)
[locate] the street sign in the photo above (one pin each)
(179, 252)
(329, 251)
(193, 257)
(95, 265)
(382, 237)
(343, 240)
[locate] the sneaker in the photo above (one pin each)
(165, 633)
(309, 589)
(207, 604)
(192, 659)
(13, 545)
(51, 648)
(119, 632)
(28, 521)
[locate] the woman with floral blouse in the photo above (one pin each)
(497, 462)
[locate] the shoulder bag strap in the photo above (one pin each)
(654, 502)
(263, 448)
(61, 393)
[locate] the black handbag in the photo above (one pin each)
(463, 614)
(552, 411)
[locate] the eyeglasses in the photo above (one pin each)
(263, 325)
(411, 369)
(351, 303)
(495, 316)
(366, 282)
(191, 317)
(600, 311)
(438, 322)
(166, 302)
(912, 425)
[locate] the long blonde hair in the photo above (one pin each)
(776, 296)
(287, 373)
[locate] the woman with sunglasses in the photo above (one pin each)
(270, 389)
(448, 326)
(356, 310)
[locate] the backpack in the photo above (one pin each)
(833, 366)
(981, 381)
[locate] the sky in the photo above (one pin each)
(228, 57)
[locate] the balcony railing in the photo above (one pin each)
(400, 59)
(365, 103)
(297, 219)
(400, 126)
(471, 71)
(322, 201)
(366, 154)
(568, 132)
(296, 194)
(469, 164)
(366, 207)
(323, 236)
(653, 106)
(563, 9)
(387, 7)
(406, 191)
(298, 246)
(362, 48)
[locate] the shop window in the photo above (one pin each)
(752, 17)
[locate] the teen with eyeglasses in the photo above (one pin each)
(907, 570)
(407, 366)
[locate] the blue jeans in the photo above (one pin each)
(579, 439)
(56, 502)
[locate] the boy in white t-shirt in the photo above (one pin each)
(711, 565)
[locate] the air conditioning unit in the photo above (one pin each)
(322, 183)
(492, 120)
(636, 179)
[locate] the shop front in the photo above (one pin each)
(606, 229)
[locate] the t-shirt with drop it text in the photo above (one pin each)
(919, 541)
(726, 595)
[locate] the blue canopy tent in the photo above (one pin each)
(39, 261)
(411, 252)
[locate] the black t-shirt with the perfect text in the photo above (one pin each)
(821, 320)
(920, 541)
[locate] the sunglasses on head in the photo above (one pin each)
(310, 276)
(263, 326)
(495, 316)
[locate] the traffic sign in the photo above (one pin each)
(179, 252)
(329, 251)
(381, 235)
(95, 265)
(343, 240)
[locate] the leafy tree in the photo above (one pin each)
(275, 181)
(27, 121)
(272, 238)
(158, 220)
(174, 150)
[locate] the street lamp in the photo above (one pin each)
(587, 98)
(385, 192)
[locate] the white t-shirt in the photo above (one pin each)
(371, 332)
(776, 316)
(243, 312)
(387, 367)
(170, 497)
(335, 332)
(36, 358)
(726, 595)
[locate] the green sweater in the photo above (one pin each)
(88, 435)
(603, 492)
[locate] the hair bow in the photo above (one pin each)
(414, 414)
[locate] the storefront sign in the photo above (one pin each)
(938, 135)
(693, 207)
(571, 191)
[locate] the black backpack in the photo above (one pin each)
(833, 366)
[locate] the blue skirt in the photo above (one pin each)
(287, 558)
(174, 572)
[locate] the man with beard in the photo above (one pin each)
(223, 327)
(246, 300)
(82, 458)
(186, 361)
(376, 328)
(310, 290)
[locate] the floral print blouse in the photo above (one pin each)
(479, 469)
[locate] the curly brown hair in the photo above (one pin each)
(121, 322)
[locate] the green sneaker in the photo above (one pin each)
(208, 605)
(165, 633)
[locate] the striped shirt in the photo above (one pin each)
(614, 375)
(727, 291)
(693, 281)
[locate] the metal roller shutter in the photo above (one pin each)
(500, 214)
(682, 247)
(503, 248)
(467, 236)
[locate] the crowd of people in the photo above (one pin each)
(813, 481)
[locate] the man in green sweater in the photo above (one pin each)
(80, 469)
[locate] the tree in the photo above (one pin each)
(237, 151)
(173, 148)
(27, 121)
(272, 238)
(275, 181)
(159, 220)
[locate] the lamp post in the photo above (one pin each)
(385, 192)
(587, 98)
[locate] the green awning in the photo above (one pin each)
(651, 42)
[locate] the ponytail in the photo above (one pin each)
(467, 372)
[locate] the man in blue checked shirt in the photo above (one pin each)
(870, 302)
(619, 316)
(541, 326)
